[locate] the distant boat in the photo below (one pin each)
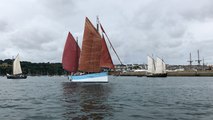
(156, 68)
(17, 71)
(87, 65)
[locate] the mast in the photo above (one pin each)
(190, 61)
(98, 23)
(203, 64)
(77, 53)
(198, 58)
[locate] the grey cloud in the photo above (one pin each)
(136, 29)
(163, 27)
(4, 26)
(60, 9)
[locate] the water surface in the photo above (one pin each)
(123, 98)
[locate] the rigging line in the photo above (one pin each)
(111, 44)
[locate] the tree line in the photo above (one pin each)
(32, 69)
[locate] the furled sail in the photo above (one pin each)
(91, 49)
(106, 60)
(17, 66)
(71, 54)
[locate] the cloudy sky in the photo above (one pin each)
(170, 29)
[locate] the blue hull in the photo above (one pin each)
(94, 77)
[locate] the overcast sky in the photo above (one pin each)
(170, 29)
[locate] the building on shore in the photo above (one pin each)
(142, 67)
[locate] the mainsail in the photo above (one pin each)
(17, 66)
(91, 49)
(71, 54)
(159, 65)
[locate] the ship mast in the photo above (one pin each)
(190, 60)
(198, 59)
(98, 22)
(203, 64)
(77, 56)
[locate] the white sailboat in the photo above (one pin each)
(17, 71)
(156, 68)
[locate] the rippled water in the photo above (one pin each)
(123, 98)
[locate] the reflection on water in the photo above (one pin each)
(86, 100)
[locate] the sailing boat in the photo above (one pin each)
(156, 68)
(94, 57)
(17, 72)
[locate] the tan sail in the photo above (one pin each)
(91, 49)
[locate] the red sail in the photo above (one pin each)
(106, 60)
(71, 54)
(91, 49)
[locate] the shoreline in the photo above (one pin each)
(173, 74)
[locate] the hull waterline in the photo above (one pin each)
(16, 76)
(157, 75)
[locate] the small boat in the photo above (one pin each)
(91, 63)
(17, 71)
(156, 68)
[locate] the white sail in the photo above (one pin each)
(17, 66)
(151, 65)
(160, 66)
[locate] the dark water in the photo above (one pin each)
(123, 98)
